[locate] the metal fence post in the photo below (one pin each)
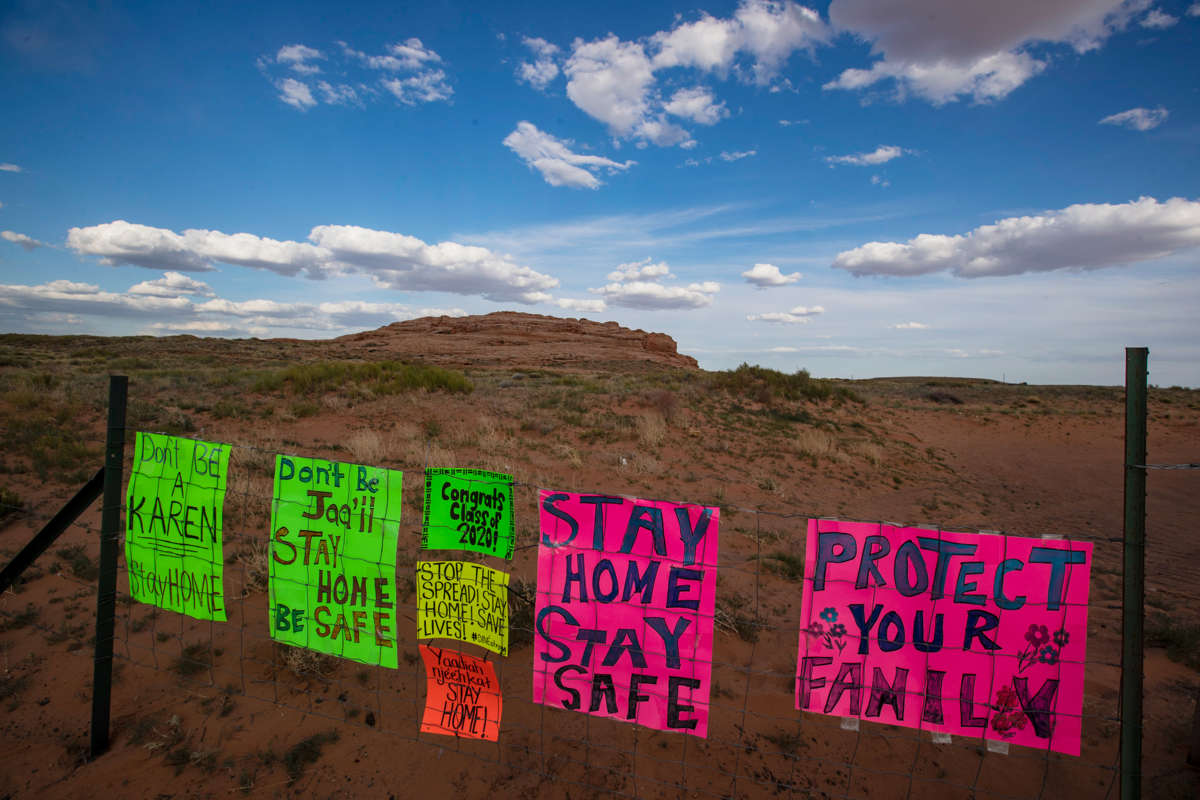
(106, 596)
(1134, 570)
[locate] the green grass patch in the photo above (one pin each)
(379, 377)
(766, 385)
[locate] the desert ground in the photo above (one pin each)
(206, 709)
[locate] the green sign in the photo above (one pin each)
(464, 601)
(469, 509)
(173, 545)
(333, 558)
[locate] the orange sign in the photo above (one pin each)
(462, 695)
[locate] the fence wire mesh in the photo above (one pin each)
(757, 744)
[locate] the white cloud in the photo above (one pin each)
(941, 50)
(122, 242)
(910, 326)
(424, 87)
(880, 155)
(615, 81)
(655, 296)
(1138, 119)
(581, 305)
(737, 155)
(411, 75)
(764, 275)
(396, 261)
(60, 302)
(787, 123)
(172, 284)
(1085, 237)
(9, 168)
(297, 56)
(696, 104)
(341, 94)
(27, 242)
(392, 260)
(645, 269)
(879, 180)
(766, 31)
(544, 69)
(800, 315)
(1158, 20)
(295, 93)
(1194, 10)
(554, 159)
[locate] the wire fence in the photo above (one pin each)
(757, 744)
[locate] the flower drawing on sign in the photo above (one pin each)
(831, 637)
(1041, 646)
(1009, 717)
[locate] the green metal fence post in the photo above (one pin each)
(106, 595)
(1134, 569)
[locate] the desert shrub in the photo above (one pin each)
(306, 752)
(766, 385)
(381, 377)
(11, 504)
(81, 564)
(1181, 640)
(195, 658)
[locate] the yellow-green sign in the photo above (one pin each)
(464, 601)
(468, 509)
(173, 546)
(334, 529)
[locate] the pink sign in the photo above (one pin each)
(624, 624)
(978, 635)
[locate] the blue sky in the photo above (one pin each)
(1004, 190)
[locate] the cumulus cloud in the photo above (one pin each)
(645, 269)
(1138, 119)
(27, 242)
(1158, 20)
(737, 155)
(656, 296)
(765, 275)
(172, 284)
(637, 284)
(880, 155)
(1194, 10)
(391, 260)
(800, 315)
(555, 160)
(397, 261)
(616, 81)
(410, 73)
(696, 104)
(296, 94)
(910, 326)
(1084, 237)
(580, 304)
(9, 168)
(543, 69)
(164, 306)
(941, 51)
(297, 58)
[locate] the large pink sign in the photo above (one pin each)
(972, 634)
(624, 621)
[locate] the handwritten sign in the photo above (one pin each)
(462, 695)
(333, 558)
(173, 544)
(463, 601)
(971, 634)
(624, 617)
(468, 509)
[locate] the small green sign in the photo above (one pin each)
(173, 546)
(334, 529)
(469, 509)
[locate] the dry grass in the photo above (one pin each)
(652, 429)
(813, 442)
(366, 446)
(870, 451)
(306, 663)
